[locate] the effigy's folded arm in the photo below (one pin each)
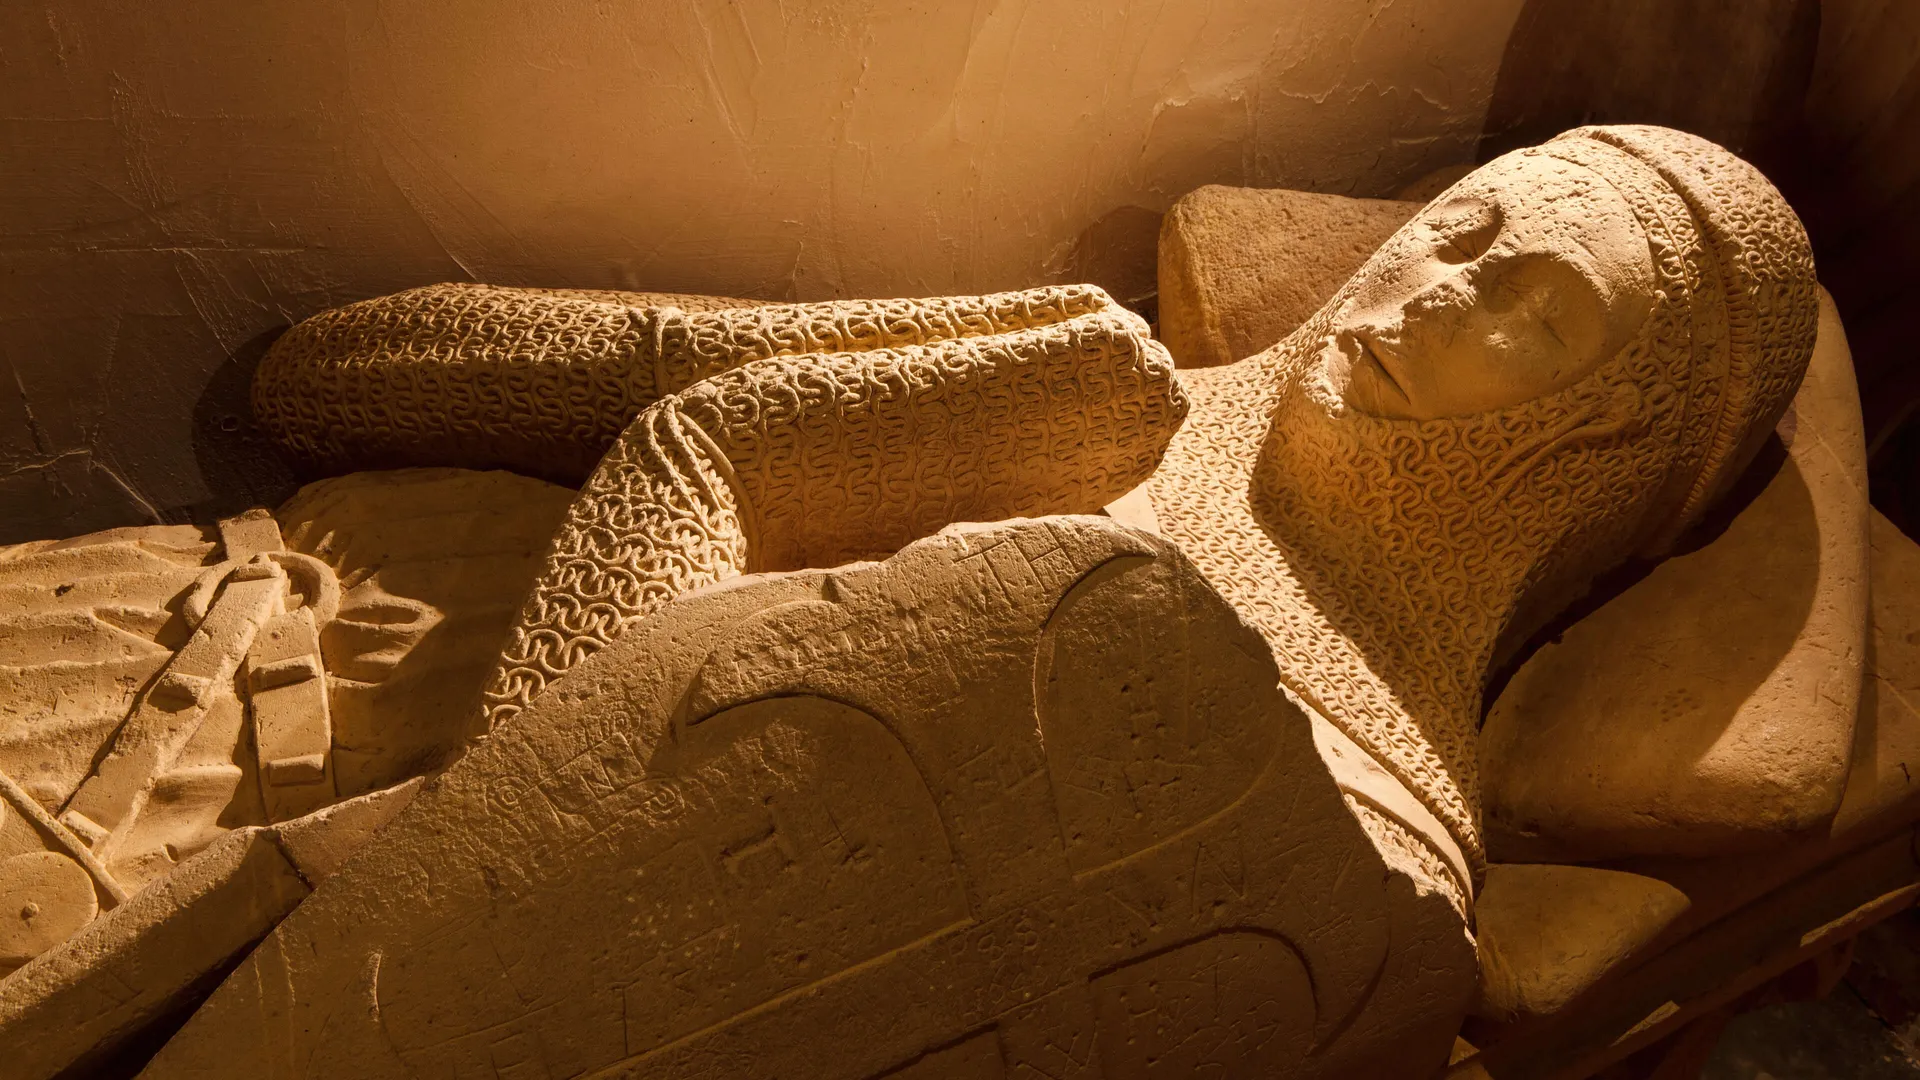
(816, 460)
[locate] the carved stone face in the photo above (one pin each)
(1514, 283)
(1556, 365)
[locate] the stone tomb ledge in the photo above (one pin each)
(1746, 919)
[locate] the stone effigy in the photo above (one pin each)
(1014, 798)
(1057, 794)
(1512, 396)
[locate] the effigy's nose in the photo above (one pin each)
(1449, 296)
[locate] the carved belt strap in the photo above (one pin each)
(246, 624)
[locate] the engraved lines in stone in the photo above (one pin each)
(1235, 996)
(809, 646)
(773, 797)
(941, 973)
(849, 806)
(502, 1025)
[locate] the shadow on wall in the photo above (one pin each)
(1822, 95)
(67, 494)
(238, 461)
(1734, 71)
(1854, 175)
(82, 489)
(1120, 253)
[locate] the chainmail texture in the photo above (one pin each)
(1386, 560)
(819, 459)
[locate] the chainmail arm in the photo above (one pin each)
(656, 519)
(818, 459)
(541, 381)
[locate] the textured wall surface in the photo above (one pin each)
(181, 181)
(1855, 176)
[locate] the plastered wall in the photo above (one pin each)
(179, 181)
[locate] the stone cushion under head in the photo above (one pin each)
(1241, 267)
(1709, 707)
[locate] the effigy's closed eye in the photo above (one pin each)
(1547, 325)
(1466, 228)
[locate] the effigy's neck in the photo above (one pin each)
(1406, 535)
(1412, 717)
(1408, 558)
